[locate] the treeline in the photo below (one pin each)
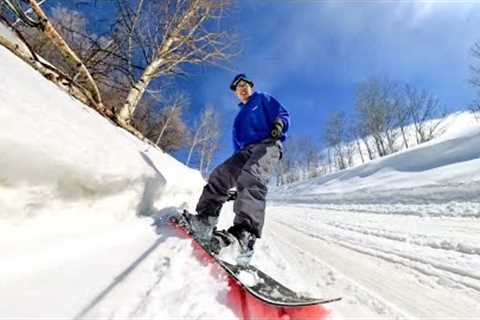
(475, 79)
(383, 111)
(133, 56)
(387, 117)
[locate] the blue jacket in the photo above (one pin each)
(255, 120)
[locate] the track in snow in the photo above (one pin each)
(400, 267)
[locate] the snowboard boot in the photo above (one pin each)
(221, 239)
(240, 243)
(246, 241)
(199, 226)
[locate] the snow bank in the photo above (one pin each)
(443, 170)
(59, 156)
(72, 186)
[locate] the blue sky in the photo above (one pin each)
(311, 55)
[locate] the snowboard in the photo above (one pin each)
(256, 282)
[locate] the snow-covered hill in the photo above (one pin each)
(401, 231)
(73, 190)
(81, 237)
(82, 202)
(439, 178)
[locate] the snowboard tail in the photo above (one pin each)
(268, 289)
(261, 294)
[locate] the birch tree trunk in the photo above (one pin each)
(164, 128)
(70, 56)
(360, 150)
(202, 160)
(136, 92)
(367, 146)
(405, 142)
(192, 147)
(173, 33)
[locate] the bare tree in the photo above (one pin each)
(169, 131)
(313, 158)
(475, 79)
(197, 135)
(362, 135)
(335, 134)
(49, 30)
(95, 52)
(475, 108)
(371, 113)
(301, 160)
(168, 35)
(70, 24)
(207, 153)
(356, 133)
(287, 170)
(205, 139)
(377, 102)
(171, 115)
(403, 119)
(161, 121)
(424, 110)
(208, 147)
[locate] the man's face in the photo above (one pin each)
(243, 91)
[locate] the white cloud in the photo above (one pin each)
(348, 41)
(422, 11)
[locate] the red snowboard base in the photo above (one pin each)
(248, 307)
(245, 305)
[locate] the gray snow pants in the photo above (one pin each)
(249, 170)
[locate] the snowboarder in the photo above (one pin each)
(258, 132)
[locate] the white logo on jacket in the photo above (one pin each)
(254, 108)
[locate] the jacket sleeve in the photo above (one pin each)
(279, 112)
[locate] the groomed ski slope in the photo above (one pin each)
(397, 238)
(399, 234)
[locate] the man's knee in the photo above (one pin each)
(252, 184)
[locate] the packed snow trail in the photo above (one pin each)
(397, 235)
(399, 266)
(142, 269)
(247, 304)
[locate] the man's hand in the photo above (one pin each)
(277, 129)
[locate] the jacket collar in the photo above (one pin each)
(241, 104)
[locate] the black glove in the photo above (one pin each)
(277, 129)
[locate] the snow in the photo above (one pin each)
(248, 278)
(400, 234)
(83, 235)
(75, 196)
(440, 178)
